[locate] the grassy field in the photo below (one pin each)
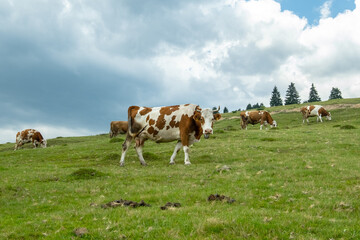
(299, 181)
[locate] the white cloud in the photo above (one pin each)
(207, 52)
(325, 9)
(264, 47)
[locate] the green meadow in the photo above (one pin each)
(297, 181)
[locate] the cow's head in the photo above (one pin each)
(43, 143)
(274, 124)
(205, 118)
(328, 117)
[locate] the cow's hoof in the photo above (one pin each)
(122, 164)
(144, 164)
(188, 163)
(172, 163)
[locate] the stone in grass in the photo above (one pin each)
(224, 168)
(222, 198)
(80, 231)
(170, 205)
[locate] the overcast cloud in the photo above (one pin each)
(69, 67)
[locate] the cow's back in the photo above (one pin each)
(163, 124)
(313, 110)
(255, 116)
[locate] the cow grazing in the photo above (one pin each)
(30, 135)
(254, 117)
(118, 127)
(314, 110)
(182, 123)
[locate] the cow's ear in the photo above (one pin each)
(197, 116)
(217, 116)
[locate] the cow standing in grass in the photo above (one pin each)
(118, 127)
(182, 123)
(314, 110)
(255, 117)
(30, 135)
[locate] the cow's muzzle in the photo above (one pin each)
(207, 133)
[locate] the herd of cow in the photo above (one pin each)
(182, 123)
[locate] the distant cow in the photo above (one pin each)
(314, 110)
(254, 117)
(118, 127)
(182, 123)
(30, 135)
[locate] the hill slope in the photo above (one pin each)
(296, 181)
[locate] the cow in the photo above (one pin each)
(314, 110)
(182, 123)
(254, 117)
(30, 135)
(118, 127)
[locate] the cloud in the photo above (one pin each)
(80, 64)
(325, 9)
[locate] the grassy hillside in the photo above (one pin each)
(294, 182)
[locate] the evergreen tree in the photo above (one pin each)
(335, 94)
(261, 107)
(313, 95)
(275, 98)
(226, 110)
(214, 109)
(292, 96)
(256, 106)
(248, 107)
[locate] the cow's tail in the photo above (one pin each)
(134, 128)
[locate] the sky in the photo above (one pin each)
(69, 67)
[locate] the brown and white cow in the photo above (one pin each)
(314, 110)
(182, 123)
(254, 117)
(118, 127)
(30, 135)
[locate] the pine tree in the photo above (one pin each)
(248, 107)
(226, 110)
(292, 96)
(335, 94)
(275, 98)
(261, 107)
(256, 106)
(313, 95)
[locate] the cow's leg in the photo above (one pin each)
(320, 118)
(20, 143)
(138, 147)
(185, 142)
(125, 147)
(186, 152)
(176, 150)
